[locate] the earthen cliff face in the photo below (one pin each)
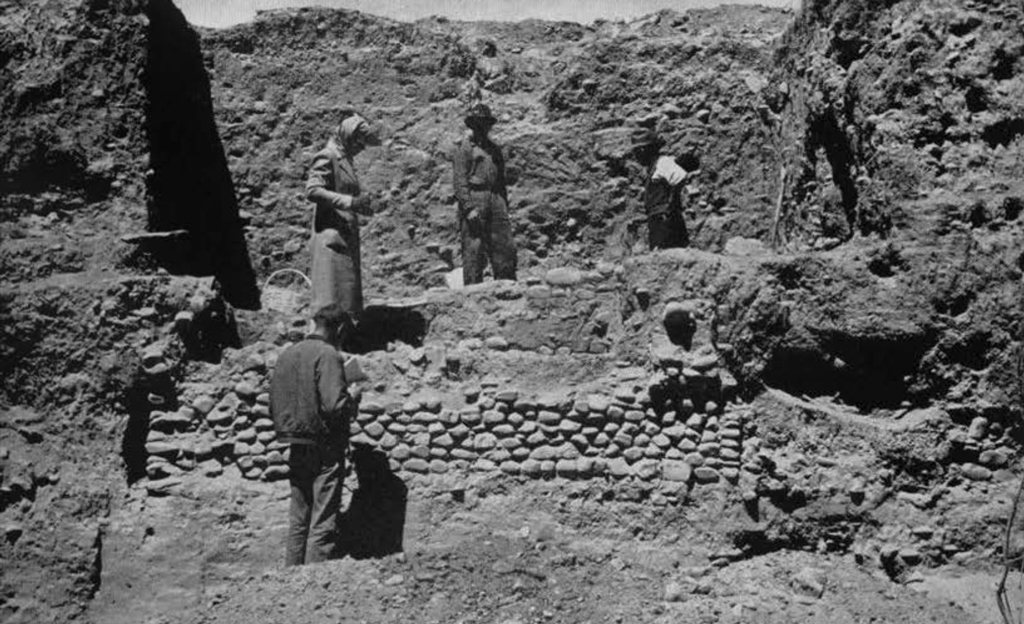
(832, 366)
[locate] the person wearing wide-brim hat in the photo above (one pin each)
(333, 187)
(662, 191)
(482, 198)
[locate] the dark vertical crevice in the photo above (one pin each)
(138, 403)
(133, 443)
(96, 573)
(826, 133)
(190, 187)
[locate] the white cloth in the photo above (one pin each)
(667, 169)
(350, 126)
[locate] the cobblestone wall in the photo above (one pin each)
(680, 426)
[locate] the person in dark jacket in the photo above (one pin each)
(662, 192)
(333, 187)
(482, 197)
(311, 405)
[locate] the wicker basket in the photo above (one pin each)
(290, 297)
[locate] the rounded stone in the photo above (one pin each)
(416, 464)
(705, 475)
(509, 467)
(485, 441)
(530, 468)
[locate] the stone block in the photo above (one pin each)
(975, 472)
(547, 468)
(544, 453)
(708, 449)
(497, 455)
(569, 427)
(705, 475)
(523, 405)
(246, 390)
(371, 407)
(530, 468)
(484, 441)
(275, 472)
(653, 452)
(509, 467)
(729, 455)
(567, 451)
(510, 444)
(415, 464)
(647, 470)
(978, 429)
(497, 343)
(633, 454)
(995, 458)
(634, 416)
(424, 418)
(546, 417)
(470, 417)
(598, 403)
(203, 404)
(677, 471)
(493, 417)
(567, 468)
(507, 396)
(694, 459)
(170, 421)
(503, 430)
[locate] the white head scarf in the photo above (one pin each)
(356, 127)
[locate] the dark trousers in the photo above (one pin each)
(489, 239)
(316, 473)
(667, 230)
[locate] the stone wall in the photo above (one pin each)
(680, 426)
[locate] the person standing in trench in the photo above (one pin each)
(312, 406)
(482, 197)
(333, 187)
(663, 204)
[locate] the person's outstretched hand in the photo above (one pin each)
(362, 205)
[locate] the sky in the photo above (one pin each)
(219, 13)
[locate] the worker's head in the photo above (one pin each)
(479, 119)
(334, 323)
(354, 132)
(645, 145)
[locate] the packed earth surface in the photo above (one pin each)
(812, 414)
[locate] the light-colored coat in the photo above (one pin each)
(336, 271)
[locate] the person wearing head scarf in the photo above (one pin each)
(482, 197)
(662, 192)
(333, 187)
